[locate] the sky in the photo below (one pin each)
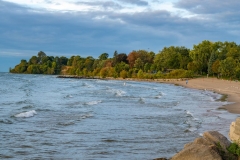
(90, 28)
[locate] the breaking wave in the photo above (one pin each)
(26, 114)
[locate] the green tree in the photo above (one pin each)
(227, 67)
(33, 60)
(89, 61)
(121, 66)
(215, 67)
(201, 54)
(103, 56)
(212, 59)
(138, 64)
(33, 69)
(140, 74)
(41, 55)
(172, 58)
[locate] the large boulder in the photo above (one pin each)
(212, 146)
(234, 132)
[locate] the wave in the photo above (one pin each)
(26, 114)
(86, 116)
(68, 96)
(87, 85)
(160, 95)
(93, 103)
(141, 100)
(6, 121)
(117, 92)
(189, 114)
(27, 107)
(193, 123)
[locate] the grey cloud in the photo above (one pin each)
(81, 33)
(135, 2)
(103, 4)
(209, 6)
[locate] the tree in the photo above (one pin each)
(104, 72)
(103, 56)
(139, 64)
(201, 54)
(33, 60)
(227, 67)
(41, 55)
(115, 54)
(172, 58)
(122, 57)
(121, 66)
(215, 67)
(140, 74)
(123, 74)
(212, 59)
(63, 60)
(132, 57)
(33, 69)
(193, 66)
(89, 63)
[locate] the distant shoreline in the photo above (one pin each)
(224, 87)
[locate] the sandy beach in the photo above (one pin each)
(226, 87)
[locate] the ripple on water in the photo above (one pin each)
(6, 121)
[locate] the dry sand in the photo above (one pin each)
(229, 88)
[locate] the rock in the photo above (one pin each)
(217, 138)
(212, 146)
(234, 132)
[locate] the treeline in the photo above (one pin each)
(212, 58)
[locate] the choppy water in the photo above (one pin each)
(43, 117)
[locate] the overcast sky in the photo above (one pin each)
(92, 27)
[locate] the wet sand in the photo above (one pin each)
(225, 87)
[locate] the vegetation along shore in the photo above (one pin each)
(221, 59)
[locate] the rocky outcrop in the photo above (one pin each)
(234, 132)
(212, 146)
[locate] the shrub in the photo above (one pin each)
(234, 149)
(123, 74)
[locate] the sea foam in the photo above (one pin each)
(26, 114)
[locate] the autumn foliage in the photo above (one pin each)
(221, 59)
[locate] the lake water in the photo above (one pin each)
(44, 117)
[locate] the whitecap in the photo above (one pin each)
(93, 103)
(26, 114)
(189, 114)
(119, 93)
(86, 116)
(116, 92)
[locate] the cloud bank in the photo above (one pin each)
(87, 27)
